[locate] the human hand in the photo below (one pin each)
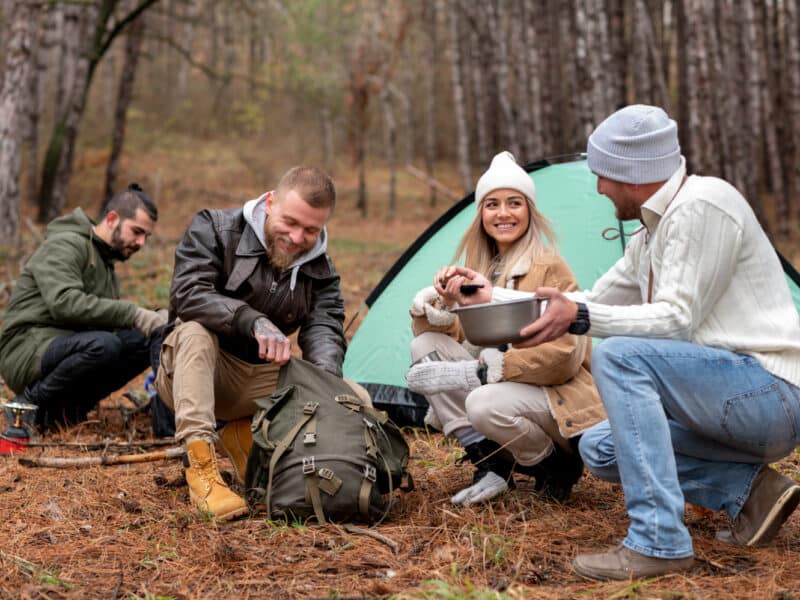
(273, 345)
(560, 313)
(448, 282)
(147, 321)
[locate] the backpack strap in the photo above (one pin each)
(370, 477)
(309, 410)
(312, 488)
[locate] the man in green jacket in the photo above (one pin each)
(67, 339)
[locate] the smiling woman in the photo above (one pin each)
(512, 409)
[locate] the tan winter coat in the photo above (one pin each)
(561, 366)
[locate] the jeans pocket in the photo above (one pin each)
(761, 421)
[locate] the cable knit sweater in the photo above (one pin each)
(717, 280)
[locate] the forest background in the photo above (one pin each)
(205, 103)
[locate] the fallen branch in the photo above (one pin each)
(102, 445)
(63, 462)
(431, 182)
(350, 528)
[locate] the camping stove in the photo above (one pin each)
(15, 438)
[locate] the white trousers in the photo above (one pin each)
(515, 415)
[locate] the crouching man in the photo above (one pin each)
(68, 340)
(699, 375)
(244, 280)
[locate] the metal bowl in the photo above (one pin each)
(498, 322)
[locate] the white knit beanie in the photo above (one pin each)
(504, 172)
(636, 144)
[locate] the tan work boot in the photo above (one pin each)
(773, 497)
(622, 563)
(207, 489)
(237, 439)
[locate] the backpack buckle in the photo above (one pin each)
(310, 408)
(308, 465)
(370, 473)
(309, 438)
(326, 473)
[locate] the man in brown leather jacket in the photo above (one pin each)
(244, 280)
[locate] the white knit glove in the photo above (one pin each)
(422, 306)
(443, 376)
(489, 486)
(147, 321)
(493, 359)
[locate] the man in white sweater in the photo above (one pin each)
(700, 368)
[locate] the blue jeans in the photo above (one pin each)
(685, 423)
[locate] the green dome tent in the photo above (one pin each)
(589, 236)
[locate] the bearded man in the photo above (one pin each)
(244, 280)
(68, 340)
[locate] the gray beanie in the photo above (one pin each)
(504, 172)
(636, 144)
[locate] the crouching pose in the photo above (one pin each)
(511, 409)
(700, 371)
(245, 279)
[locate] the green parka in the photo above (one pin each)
(68, 285)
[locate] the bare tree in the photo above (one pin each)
(13, 99)
(430, 18)
(100, 27)
(133, 44)
(462, 137)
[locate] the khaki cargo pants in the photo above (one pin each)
(201, 383)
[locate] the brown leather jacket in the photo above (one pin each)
(224, 280)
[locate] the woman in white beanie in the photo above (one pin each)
(511, 409)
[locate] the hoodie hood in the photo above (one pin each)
(75, 222)
(78, 222)
(255, 213)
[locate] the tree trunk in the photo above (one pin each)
(769, 124)
(13, 100)
(462, 136)
(475, 69)
(44, 19)
(618, 49)
(57, 168)
(190, 8)
(792, 77)
(390, 141)
(533, 65)
(101, 28)
(133, 45)
(499, 39)
(431, 57)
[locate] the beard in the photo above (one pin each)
(122, 250)
(281, 259)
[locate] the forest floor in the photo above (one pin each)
(130, 532)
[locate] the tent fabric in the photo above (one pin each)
(589, 236)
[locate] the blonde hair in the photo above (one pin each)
(479, 250)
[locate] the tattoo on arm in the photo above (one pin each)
(265, 328)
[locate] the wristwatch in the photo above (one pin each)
(581, 323)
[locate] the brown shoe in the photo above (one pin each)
(237, 439)
(773, 497)
(207, 489)
(622, 563)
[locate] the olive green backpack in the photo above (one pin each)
(319, 450)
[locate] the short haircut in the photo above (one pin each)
(312, 184)
(126, 203)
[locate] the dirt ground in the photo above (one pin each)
(129, 531)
